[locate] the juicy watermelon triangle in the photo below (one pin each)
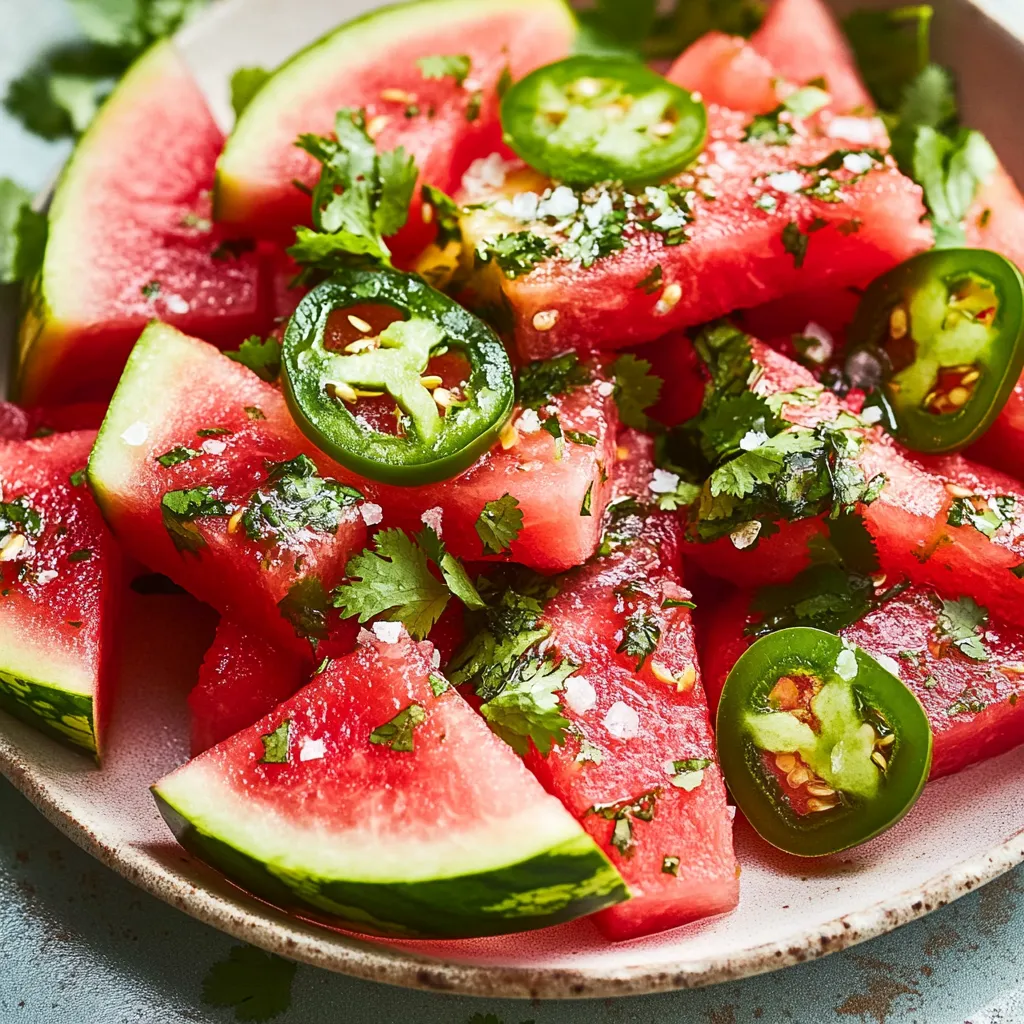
(445, 121)
(432, 829)
(131, 240)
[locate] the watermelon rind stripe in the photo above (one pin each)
(65, 716)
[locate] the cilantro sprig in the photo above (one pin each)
(179, 511)
(499, 524)
(963, 622)
(546, 379)
(262, 356)
(22, 234)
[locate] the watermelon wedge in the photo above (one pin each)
(803, 41)
(60, 573)
(191, 516)
(974, 707)
(751, 237)
(130, 240)
(426, 75)
(348, 805)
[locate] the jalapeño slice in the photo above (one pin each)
(587, 120)
(941, 337)
(822, 748)
(415, 400)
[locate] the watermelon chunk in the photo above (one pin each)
(238, 426)
(373, 63)
(130, 241)
(59, 582)
(736, 256)
(628, 724)
(974, 707)
(803, 42)
(432, 828)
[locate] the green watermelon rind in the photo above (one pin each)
(372, 33)
(571, 879)
(63, 715)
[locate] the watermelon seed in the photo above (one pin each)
(545, 320)
(669, 299)
(235, 521)
(397, 96)
(11, 546)
(377, 125)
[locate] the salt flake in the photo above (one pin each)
(136, 435)
(622, 721)
(580, 695)
(387, 632)
(312, 750)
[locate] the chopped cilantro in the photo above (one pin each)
(636, 390)
(213, 432)
(795, 242)
(987, 515)
(297, 498)
(438, 684)
(969, 702)
(254, 412)
(773, 130)
(394, 582)
(1018, 571)
(579, 437)
(245, 83)
(891, 47)
(688, 773)
(437, 66)
(180, 509)
(652, 281)
(261, 356)
(446, 215)
(586, 509)
(177, 455)
(78, 477)
(81, 555)
(360, 198)
(516, 253)
(398, 733)
(640, 636)
(623, 813)
(499, 524)
(151, 289)
(963, 622)
(257, 985)
(767, 202)
(474, 106)
(275, 744)
(542, 381)
(674, 602)
(669, 865)
(553, 427)
(22, 234)
(589, 753)
(305, 606)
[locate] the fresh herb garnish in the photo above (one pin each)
(579, 437)
(262, 356)
(963, 623)
(687, 773)
(398, 733)
(587, 507)
(22, 234)
(438, 684)
(81, 555)
(640, 636)
(245, 83)
(623, 813)
(275, 744)
(968, 703)
(542, 381)
(305, 607)
(179, 511)
(437, 66)
(636, 390)
(891, 48)
(772, 130)
(257, 985)
(499, 524)
(516, 253)
(796, 242)
(78, 477)
(652, 281)
(19, 516)
(987, 515)
(446, 215)
(670, 865)
(177, 455)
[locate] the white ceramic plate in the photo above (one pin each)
(965, 831)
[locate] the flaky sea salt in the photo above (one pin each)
(622, 721)
(580, 695)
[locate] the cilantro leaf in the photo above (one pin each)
(452, 570)
(526, 707)
(297, 498)
(245, 83)
(257, 985)
(22, 234)
(180, 509)
(275, 744)
(640, 637)
(963, 622)
(398, 733)
(177, 455)
(263, 357)
(987, 515)
(611, 26)
(305, 606)
(437, 66)
(623, 813)
(772, 130)
(516, 253)
(636, 390)
(547, 379)
(688, 773)
(891, 47)
(499, 524)
(446, 214)
(795, 242)
(19, 516)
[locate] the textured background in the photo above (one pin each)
(80, 946)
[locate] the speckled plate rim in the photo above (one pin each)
(346, 954)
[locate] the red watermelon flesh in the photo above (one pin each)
(130, 241)
(16, 423)
(372, 64)
(735, 258)
(58, 592)
(975, 708)
(158, 408)
(803, 42)
(635, 722)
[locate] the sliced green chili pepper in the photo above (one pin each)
(439, 432)
(942, 339)
(591, 119)
(821, 747)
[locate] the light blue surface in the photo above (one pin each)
(78, 945)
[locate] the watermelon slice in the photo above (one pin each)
(804, 43)
(348, 806)
(242, 678)
(974, 707)
(130, 240)
(670, 839)
(60, 572)
(757, 239)
(224, 436)
(391, 64)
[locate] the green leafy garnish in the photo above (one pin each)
(22, 234)
(652, 281)
(624, 813)
(394, 582)
(18, 516)
(262, 356)
(579, 437)
(542, 381)
(78, 477)
(587, 506)
(438, 684)
(275, 744)
(439, 66)
(796, 242)
(688, 773)
(670, 865)
(446, 215)
(179, 511)
(257, 985)
(968, 703)
(245, 83)
(891, 47)
(516, 253)
(305, 607)
(636, 390)
(987, 515)
(771, 130)
(499, 524)
(640, 637)
(81, 555)
(398, 733)
(360, 198)
(177, 455)
(296, 498)
(963, 622)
